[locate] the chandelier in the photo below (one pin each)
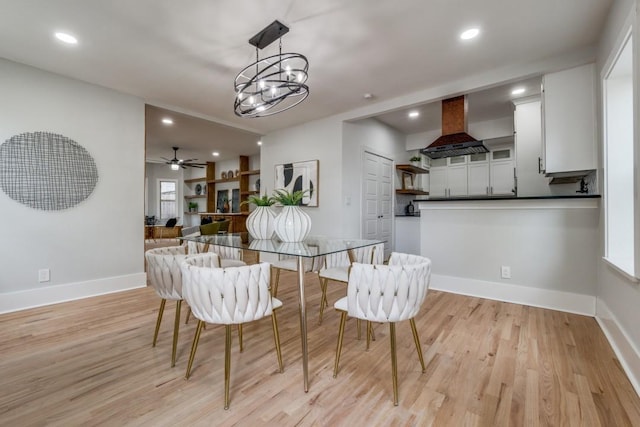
(272, 84)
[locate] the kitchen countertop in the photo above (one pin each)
(481, 198)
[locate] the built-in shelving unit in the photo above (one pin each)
(412, 171)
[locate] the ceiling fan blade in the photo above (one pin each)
(165, 159)
(188, 160)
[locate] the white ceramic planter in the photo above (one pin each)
(292, 224)
(260, 222)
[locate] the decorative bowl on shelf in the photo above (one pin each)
(237, 173)
(198, 189)
(230, 174)
(224, 175)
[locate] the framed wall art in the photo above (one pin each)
(299, 176)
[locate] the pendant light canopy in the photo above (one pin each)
(272, 84)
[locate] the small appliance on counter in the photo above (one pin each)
(409, 209)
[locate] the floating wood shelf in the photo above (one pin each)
(248, 193)
(196, 196)
(414, 192)
(253, 172)
(218, 181)
(191, 180)
(411, 169)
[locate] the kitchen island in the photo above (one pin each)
(537, 251)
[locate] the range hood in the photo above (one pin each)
(455, 141)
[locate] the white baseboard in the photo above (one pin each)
(15, 301)
(623, 347)
(536, 297)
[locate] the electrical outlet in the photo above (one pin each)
(505, 272)
(43, 275)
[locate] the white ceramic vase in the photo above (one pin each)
(260, 222)
(292, 224)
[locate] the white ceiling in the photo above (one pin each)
(185, 55)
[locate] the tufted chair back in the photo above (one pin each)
(398, 258)
(387, 293)
(163, 271)
(227, 296)
(367, 255)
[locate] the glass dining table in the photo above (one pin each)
(311, 247)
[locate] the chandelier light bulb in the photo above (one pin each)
(175, 167)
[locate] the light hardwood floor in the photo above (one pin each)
(90, 362)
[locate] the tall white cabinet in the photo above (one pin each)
(569, 120)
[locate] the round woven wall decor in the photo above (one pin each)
(46, 171)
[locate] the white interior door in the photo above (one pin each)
(377, 200)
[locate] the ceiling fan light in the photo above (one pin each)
(175, 167)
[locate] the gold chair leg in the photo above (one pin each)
(160, 312)
(194, 347)
(343, 319)
(274, 288)
(240, 336)
(358, 329)
(276, 338)
(369, 332)
(176, 328)
(227, 364)
(394, 362)
(186, 318)
(416, 340)
(323, 298)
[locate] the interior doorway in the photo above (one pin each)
(377, 200)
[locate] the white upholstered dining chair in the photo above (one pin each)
(336, 267)
(228, 296)
(165, 277)
(387, 294)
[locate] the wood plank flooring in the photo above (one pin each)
(90, 362)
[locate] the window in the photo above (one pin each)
(618, 168)
(168, 205)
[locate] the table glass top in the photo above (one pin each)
(312, 246)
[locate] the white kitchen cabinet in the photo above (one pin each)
(528, 146)
(478, 179)
(457, 180)
(438, 182)
(569, 120)
(448, 177)
(502, 182)
(407, 235)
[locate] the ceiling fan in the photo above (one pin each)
(176, 163)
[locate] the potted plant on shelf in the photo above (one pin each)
(193, 207)
(260, 220)
(416, 161)
(292, 224)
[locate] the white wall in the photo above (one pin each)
(547, 247)
(318, 140)
(374, 137)
(618, 309)
(96, 246)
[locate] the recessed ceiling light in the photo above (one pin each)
(470, 33)
(215, 153)
(367, 96)
(260, 142)
(414, 114)
(67, 38)
(518, 91)
(167, 121)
